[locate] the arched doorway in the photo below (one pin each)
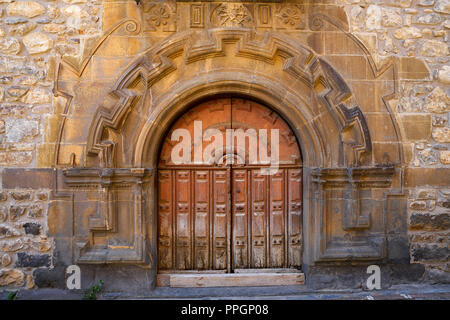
(226, 207)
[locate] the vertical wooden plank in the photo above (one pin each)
(258, 220)
(165, 257)
(286, 218)
(267, 221)
(174, 219)
(239, 219)
(183, 223)
(295, 217)
(229, 218)
(211, 219)
(220, 209)
(201, 221)
(248, 174)
(192, 217)
(276, 220)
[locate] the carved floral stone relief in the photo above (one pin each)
(159, 16)
(289, 16)
(232, 15)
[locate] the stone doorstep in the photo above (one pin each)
(396, 292)
(246, 279)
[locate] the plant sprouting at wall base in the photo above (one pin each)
(12, 295)
(91, 293)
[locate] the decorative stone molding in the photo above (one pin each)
(231, 15)
(290, 16)
(303, 87)
(112, 188)
(159, 16)
(300, 62)
(352, 193)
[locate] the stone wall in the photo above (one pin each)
(418, 30)
(35, 35)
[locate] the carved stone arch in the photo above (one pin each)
(345, 184)
(299, 62)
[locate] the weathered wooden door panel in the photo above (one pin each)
(226, 216)
(276, 221)
(219, 227)
(165, 220)
(294, 211)
(201, 219)
(183, 219)
(240, 219)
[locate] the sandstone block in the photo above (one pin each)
(428, 156)
(35, 211)
(27, 9)
(5, 260)
(441, 135)
(418, 205)
(391, 18)
(19, 130)
(54, 28)
(16, 91)
(32, 228)
(15, 212)
(74, 16)
(11, 277)
(75, 1)
(20, 196)
(3, 214)
(442, 6)
(35, 261)
(396, 3)
(444, 157)
(439, 120)
(429, 253)
(373, 17)
(15, 20)
(425, 3)
(408, 33)
(426, 194)
(444, 75)
(22, 29)
(428, 19)
(38, 96)
(37, 42)
(434, 48)
(9, 46)
(438, 101)
(6, 232)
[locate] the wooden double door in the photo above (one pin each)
(228, 213)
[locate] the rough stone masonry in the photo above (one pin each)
(60, 59)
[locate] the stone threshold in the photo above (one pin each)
(244, 279)
(298, 292)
